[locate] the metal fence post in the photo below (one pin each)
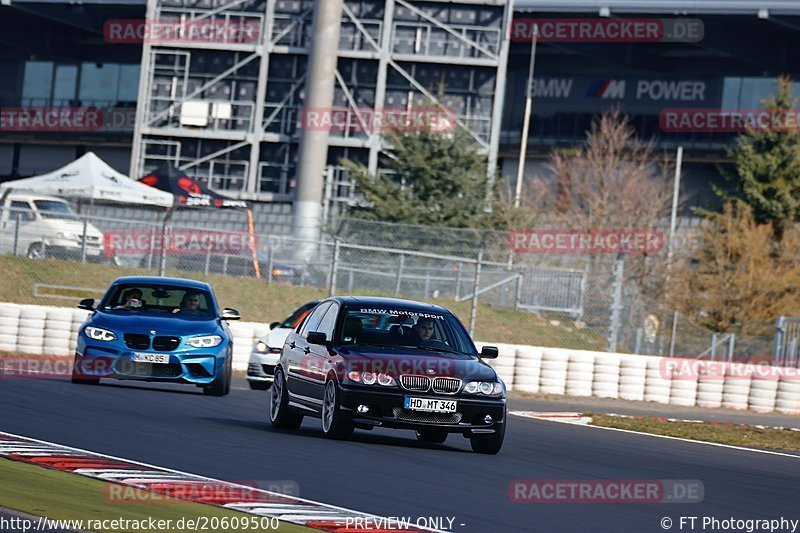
(673, 334)
(731, 346)
(208, 260)
(616, 306)
(152, 248)
(780, 332)
(458, 281)
(473, 312)
(334, 268)
(518, 295)
(638, 349)
(162, 263)
(713, 346)
(399, 279)
(269, 263)
(16, 232)
(83, 241)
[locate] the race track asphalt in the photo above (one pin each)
(387, 472)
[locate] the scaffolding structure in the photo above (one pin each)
(228, 110)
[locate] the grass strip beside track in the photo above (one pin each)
(59, 495)
(720, 433)
(259, 301)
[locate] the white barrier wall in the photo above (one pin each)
(53, 331)
(40, 330)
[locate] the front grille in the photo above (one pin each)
(137, 341)
(253, 369)
(269, 369)
(426, 418)
(166, 344)
(136, 368)
(421, 383)
(446, 385)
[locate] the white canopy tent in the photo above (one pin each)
(91, 178)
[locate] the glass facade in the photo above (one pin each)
(47, 84)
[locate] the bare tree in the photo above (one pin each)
(615, 181)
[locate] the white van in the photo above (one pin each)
(48, 227)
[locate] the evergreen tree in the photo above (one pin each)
(767, 162)
(429, 177)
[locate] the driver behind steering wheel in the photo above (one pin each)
(423, 330)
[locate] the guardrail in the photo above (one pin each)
(41, 330)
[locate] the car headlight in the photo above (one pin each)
(486, 388)
(207, 341)
(261, 347)
(99, 334)
(370, 378)
(67, 236)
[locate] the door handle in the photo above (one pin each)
(306, 350)
(292, 345)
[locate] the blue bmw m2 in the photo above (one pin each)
(157, 329)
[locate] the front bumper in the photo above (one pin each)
(261, 367)
(386, 410)
(108, 360)
(72, 251)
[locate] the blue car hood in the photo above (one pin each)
(134, 322)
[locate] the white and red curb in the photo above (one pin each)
(156, 479)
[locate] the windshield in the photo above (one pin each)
(295, 318)
(55, 209)
(163, 299)
(435, 331)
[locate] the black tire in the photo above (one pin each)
(78, 375)
(222, 384)
(36, 250)
(279, 415)
(259, 385)
(431, 435)
(334, 426)
(489, 445)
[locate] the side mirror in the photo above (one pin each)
(274, 325)
(230, 314)
(316, 337)
(489, 352)
(87, 304)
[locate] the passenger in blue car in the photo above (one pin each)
(190, 305)
(133, 300)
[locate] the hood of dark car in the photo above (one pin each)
(395, 362)
(136, 322)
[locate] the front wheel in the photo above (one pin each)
(36, 251)
(489, 445)
(431, 435)
(279, 415)
(333, 424)
(222, 383)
